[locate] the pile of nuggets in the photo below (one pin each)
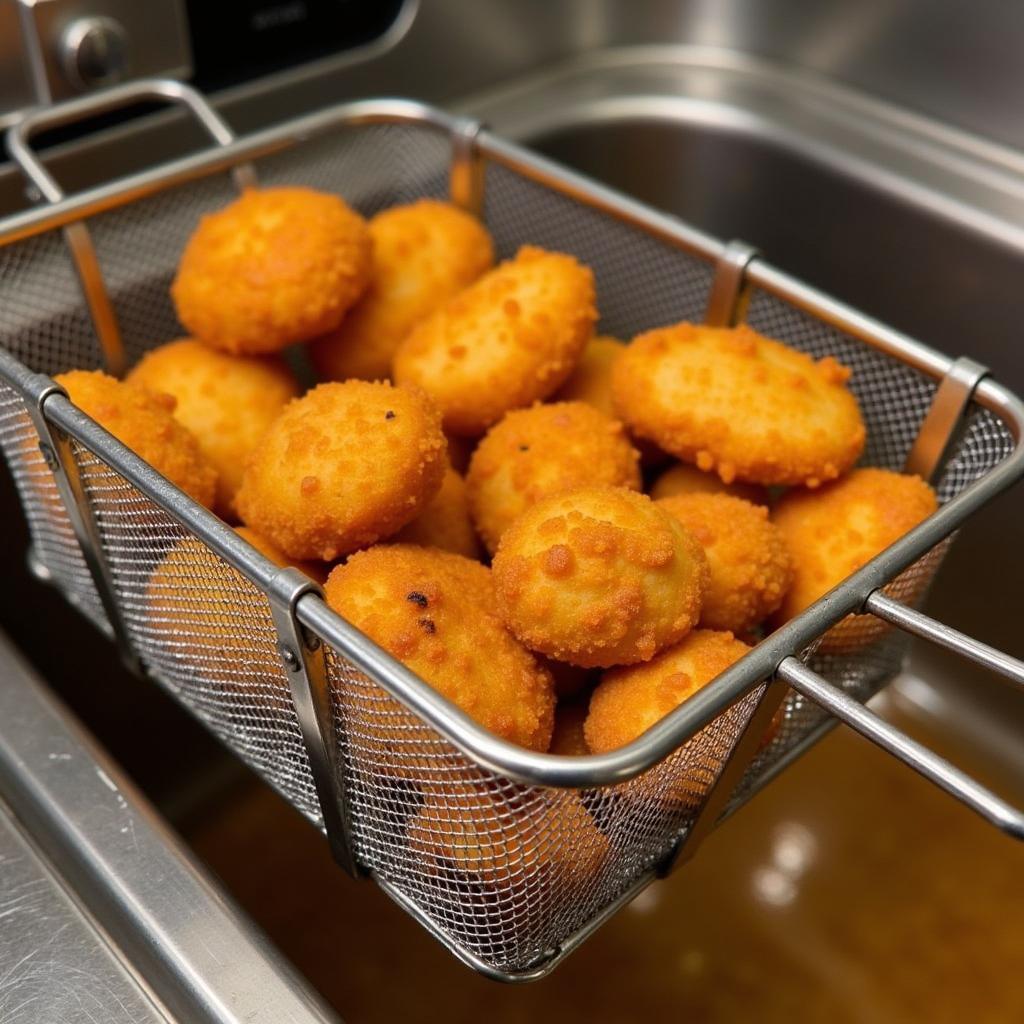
(469, 477)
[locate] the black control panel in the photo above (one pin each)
(235, 41)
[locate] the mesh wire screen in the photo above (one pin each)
(505, 871)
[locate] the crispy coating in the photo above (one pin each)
(423, 254)
(508, 340)
(542, 451)
(599, 577)
(314, 570)
(749, 563)
(628, 701)
(276, 266)
(549, 841)
(143, 420)
(228, 402)
(444, 522)
(682, 478)
(568, 739)
(417, 604)
(833, 531)
(746, 406)
(342, 467)
(591, 381)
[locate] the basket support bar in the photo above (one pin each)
(945, 419)
(55, 446)
(730, 291)
(925, 762)
(302, 654)
(466, 172)
(730, 775)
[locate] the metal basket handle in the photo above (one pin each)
(924, 761)
(83, 253)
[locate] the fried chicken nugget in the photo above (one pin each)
(228, 402)
(748, 407)
(682, 478)
(444, 522)
(542, 451)
(833, 531)
(599, 577)
(750, 566)
(342, 467)
(275, 267)
(426, 608)
(508, 340)
(423, 254)
(548, 840)
(628, 701)
(568, 738)
(143, 420)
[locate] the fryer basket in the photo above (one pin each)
(509, 858)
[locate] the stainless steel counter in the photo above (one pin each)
(104, 916)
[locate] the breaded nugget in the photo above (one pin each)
(591, 380)
(143, 420)
(415, 603)
(750, 565)
(444, 522)
(835, 530)
(314, 570)
(748, 407)
(682, 478)
(228, 402)
(342, 467)
(542, 451)
(568, 738)
(276, 266)
(423, 254)
(599, 577)
(548, 840)
(508, 340)
(629, 700)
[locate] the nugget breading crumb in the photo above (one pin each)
(342, 467)
(143, 420)
(750, 566)
(599, 577)
(508, 340)
(423, 254)
(425, 607)
(835, 530)
(745, 406)
(445, 522)
(228, 402)
(275, 267)
(682, 478)
(542, 451)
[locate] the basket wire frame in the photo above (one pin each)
(508, 875)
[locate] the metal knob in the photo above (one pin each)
(94, 51)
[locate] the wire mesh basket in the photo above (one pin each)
(510, 857)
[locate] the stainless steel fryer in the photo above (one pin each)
(349, 736)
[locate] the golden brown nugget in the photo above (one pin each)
(750, 566)
(548, 840)
(591, 380)
(542, 451)
(418, 607)
(599, 577)
(423, 254)
(143, 420)
(835, 530)
(445, 522)
(746, 406)
(275, 267)
(682, 478)
(508, 340)
(568, 738)
(228, 402)
(314, 570)
(342, 467)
